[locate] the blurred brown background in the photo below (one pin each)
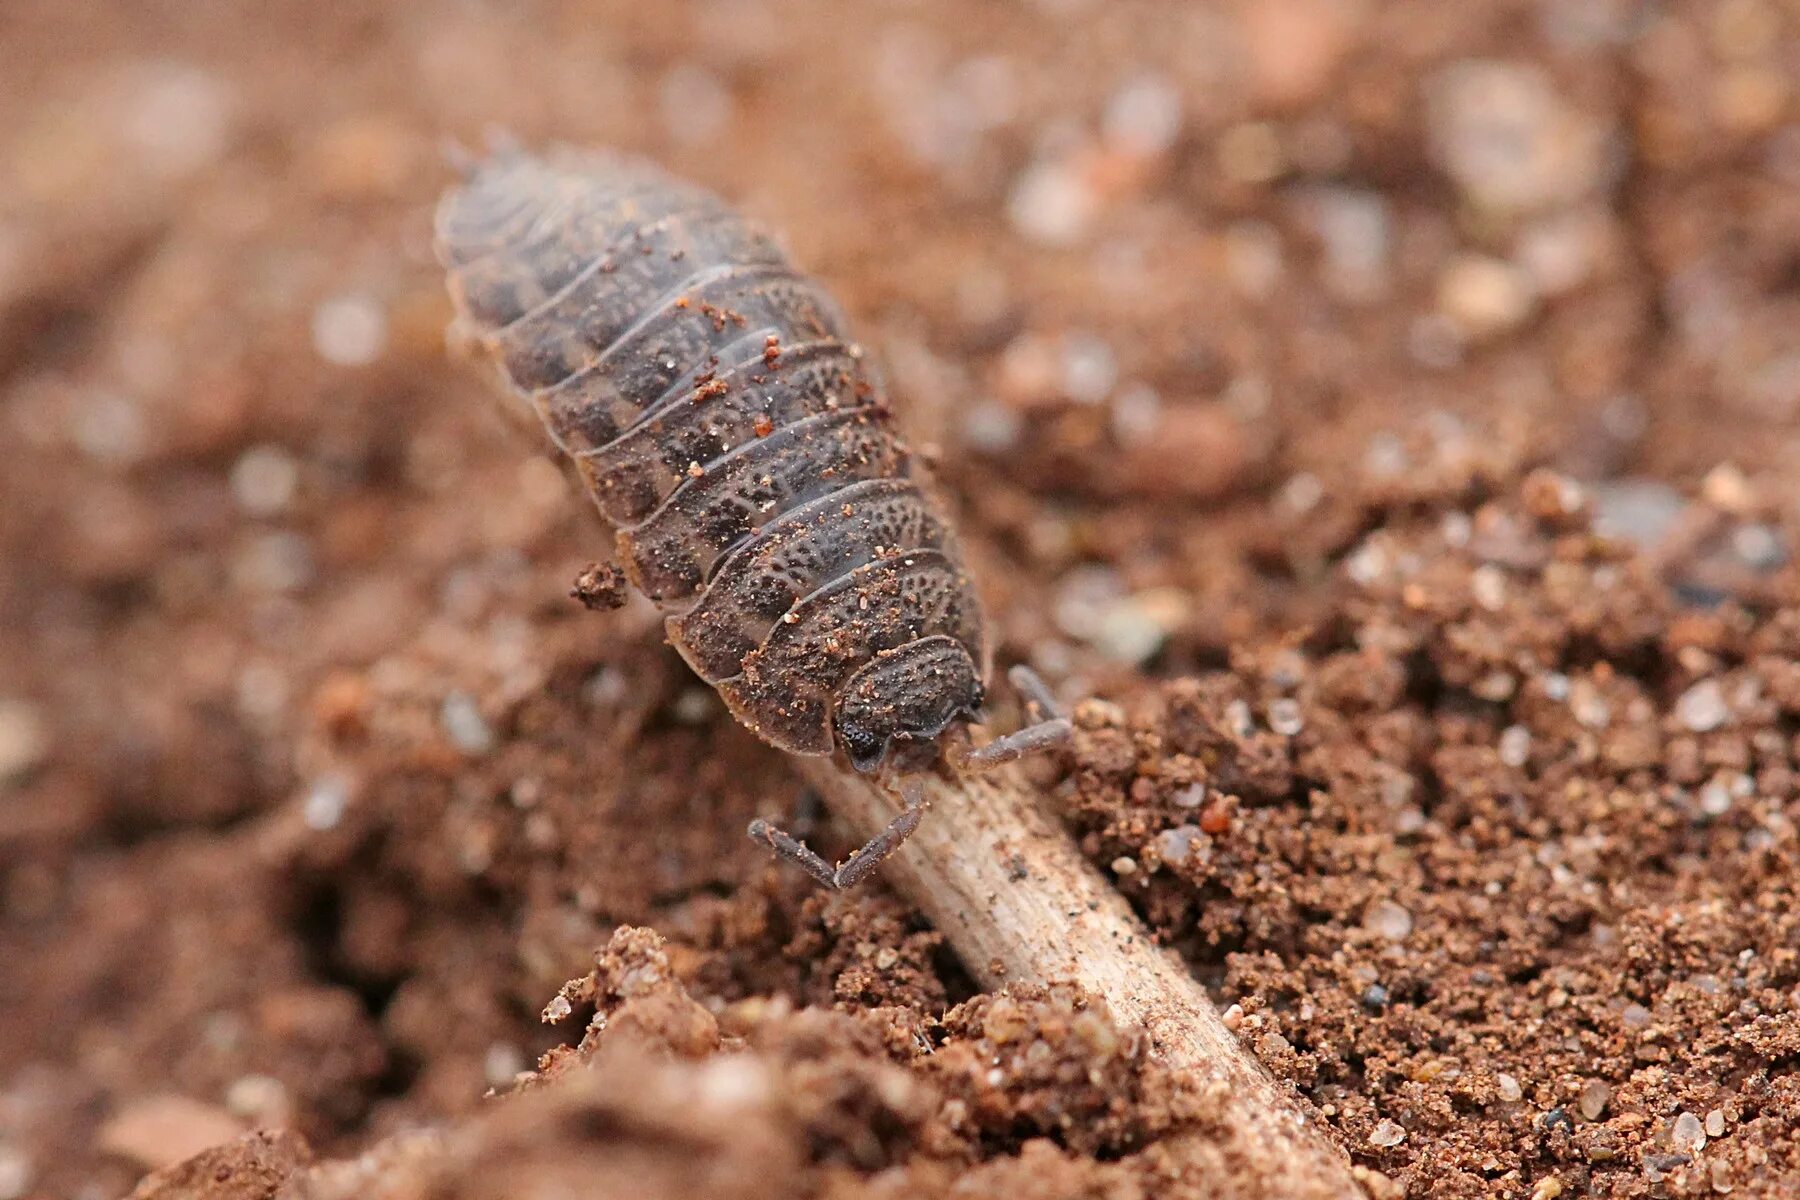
(313, 787)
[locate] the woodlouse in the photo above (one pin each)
(711, 402)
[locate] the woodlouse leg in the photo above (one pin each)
(856, 868)
(1051, 730)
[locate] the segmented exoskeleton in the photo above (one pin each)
(709, 398)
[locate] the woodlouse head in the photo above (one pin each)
(904, 699)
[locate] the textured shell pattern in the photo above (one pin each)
(711, 402)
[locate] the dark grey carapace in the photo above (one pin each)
(709, 398)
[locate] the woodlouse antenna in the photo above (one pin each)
(1051, 729)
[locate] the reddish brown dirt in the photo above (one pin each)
(1248, 338)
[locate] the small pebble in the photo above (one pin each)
(1191, 796)
(1386, 1133)
(1388, 920)
(1355, 230)
(15, 1173)
(1375, 998)
(1715, 799)
(276, 562)
(1485, 297)
(1715, 1123)
(178, 115)
(558, 1009)
(263, 480)
(1089, 369)
(502, 1063)
(108, 427)
(1588, 706)
(1051, 203)
(1515, 745)
(325, 802)
(1177, 845)
(1507, 1088)
(1595, 1095)
(1502, 132)
(1488, 585)
(1702, 707)
(24, 741)
(1238, 719)
(1143, 117)
(694, 706)
(465, 725)
(262, 1099)
(1124, 865)
(1635, 1015)
(1285, 717)
(1686, 1134)
(349, 331)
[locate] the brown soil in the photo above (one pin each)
(1384, 410)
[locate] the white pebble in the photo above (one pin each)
(464, 724)
(349, 331)
(179, 115)
(694, 706)
(24, 741)
(1506, 137)
(558, 1009)
(1488, 585)
(1089, 369)
(262, 1098)
(1702, 707)
(1051, 203)
(1177, 845)
(1285, 717)
(1302, 492)
(1124, 865)
(1686, 1134)
(1508, 1088)
(1386, 1133)
(991, 428)
(1385, 919)
(1355, 230)
(1136, 414)
(1515, 745)
(1715, 799)
(325, 802)
(502, 1063)
(1191, 796)
(1238, 719)
(1588, 706)
(263, 480)
(1485, 296)
(1143, 117)
(108, 427)
(1715, 1123)
(274, 562)
(15, 1173)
